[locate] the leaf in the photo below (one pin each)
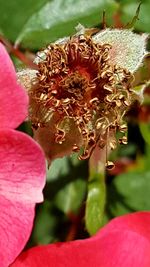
(70, 198)
(145, 131)
(58, 168)
(129, 192)
(14, 15)
(128, 9)
(58, 18)
(66, 183)
(95, 202)
(45, 224)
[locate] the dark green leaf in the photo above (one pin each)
(129, 192)
(58, 18)
(15, 14)
(45, 224)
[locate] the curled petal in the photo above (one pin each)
(22, 165)
(124, 242)
(13, 98)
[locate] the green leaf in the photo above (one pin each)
(129, 192)
(70, 195)
(145, 131)
(45, 224)
(57, 18)
(70, 198)
(58, 168)
(128, 9)
(95, 202)
(14, 15)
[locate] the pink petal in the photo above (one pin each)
(124, 242)
(22, 167)
(13, 98)
(16, 220)
(22, 178)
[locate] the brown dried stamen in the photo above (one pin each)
(77, 81)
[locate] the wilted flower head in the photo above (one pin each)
(83, 87)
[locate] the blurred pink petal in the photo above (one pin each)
(16, 221)
(124, 242)
(13, 98)
(22, 179)
(22, 167)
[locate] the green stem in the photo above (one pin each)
(96, 197)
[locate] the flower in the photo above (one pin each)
(124, 242)
(22, 166)
(82, 90)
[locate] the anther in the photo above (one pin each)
(123, 128)
(75, 148)
(123, 140)
(109, 165)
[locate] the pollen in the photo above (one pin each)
(77, 81)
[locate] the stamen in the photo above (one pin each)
(76, 80)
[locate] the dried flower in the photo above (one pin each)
(83, 87)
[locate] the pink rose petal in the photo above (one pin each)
(22, 167)
(124, 242)
(13, 99)
(22, 178)
(16, 220)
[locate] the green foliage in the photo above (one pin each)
(15, 14)
(70, 197)
(36, 23)
(67, 177)
(128, 9)
(129, 192)
(45, 225)
(145, 131)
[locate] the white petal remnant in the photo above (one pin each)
(128, 48)
(26, 77)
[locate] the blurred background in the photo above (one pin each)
(30, 25)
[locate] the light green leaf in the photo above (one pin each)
(145, 131)
(128, 9)
(58, 18)
(58, 168)
(70, 198)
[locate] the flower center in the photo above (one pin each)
(77, 81)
